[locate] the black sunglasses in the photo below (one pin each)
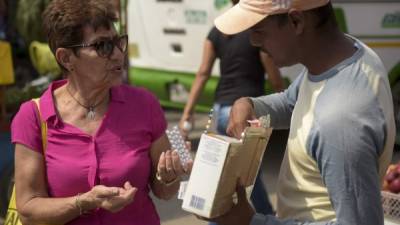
(105, 48)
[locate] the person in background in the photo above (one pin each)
(106, 147)
(242, 69)
(339, 111)
(242, 73)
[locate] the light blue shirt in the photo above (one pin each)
(340, 143)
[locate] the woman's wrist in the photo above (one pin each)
(78, 203)
(84, 205)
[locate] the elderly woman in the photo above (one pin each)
(105, 141)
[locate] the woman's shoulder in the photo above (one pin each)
(25, 127)
(25, 115)
(27, 109)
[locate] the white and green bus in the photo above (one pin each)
(166, 40)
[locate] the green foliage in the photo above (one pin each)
(15, 96)
(29, 19)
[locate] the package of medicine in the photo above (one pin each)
(219, 163)
(177, 143)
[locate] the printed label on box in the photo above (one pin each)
(209, 161)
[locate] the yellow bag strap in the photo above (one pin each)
(43, 125)
(12, 215)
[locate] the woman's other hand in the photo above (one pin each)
(109, 198)
(125, 196)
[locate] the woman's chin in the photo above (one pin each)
(115, 77)
(117, 80)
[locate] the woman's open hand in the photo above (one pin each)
(109, 198)
(125, 196)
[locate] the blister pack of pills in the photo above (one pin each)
(177, 143)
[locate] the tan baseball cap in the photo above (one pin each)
(247, 13)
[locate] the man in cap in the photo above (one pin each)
(339, 111)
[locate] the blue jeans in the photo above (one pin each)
(259, 196)
(221, 116)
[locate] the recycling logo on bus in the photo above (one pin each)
(391, 20)
(220, 4)
(193, 16)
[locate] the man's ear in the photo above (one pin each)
(63, 57)
(297, 20)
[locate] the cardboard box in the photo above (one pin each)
(220, 161)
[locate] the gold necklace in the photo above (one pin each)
(91, 113)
